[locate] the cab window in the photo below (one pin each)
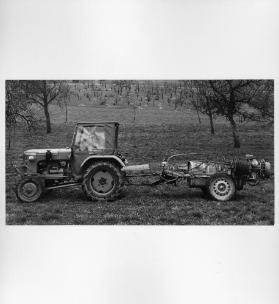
(89, 138)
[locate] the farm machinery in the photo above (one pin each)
(94, 163)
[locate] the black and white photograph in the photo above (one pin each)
(184, 152)
(139, 151)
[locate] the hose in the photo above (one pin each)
(241, 167)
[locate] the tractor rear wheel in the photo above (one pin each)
(102, 181)
(221, 187)
(29, 189)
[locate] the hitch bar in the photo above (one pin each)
(63, 186)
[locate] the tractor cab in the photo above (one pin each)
(93, 140)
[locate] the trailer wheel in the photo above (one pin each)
(103, 181)
(221, 187)
(29, 190)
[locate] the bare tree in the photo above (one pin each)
(231, 95)
(18, 109)
(263, 100)
(44, 93)
(203, 99)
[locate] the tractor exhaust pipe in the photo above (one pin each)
(136, 168)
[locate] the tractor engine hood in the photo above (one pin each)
(39, 154)
(43, 151)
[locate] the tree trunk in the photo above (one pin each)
(211, 121)
(234, 133)
(48, 124)
(198, 114)
(66, 118)
(9, 140)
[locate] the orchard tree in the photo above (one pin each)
(203, 100)
(263, 100)
(229, 97)
(133, 101)
(189, 94)
(44, 93)
(18, 109)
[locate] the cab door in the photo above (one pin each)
(89, 139)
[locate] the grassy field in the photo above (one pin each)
(154, 135)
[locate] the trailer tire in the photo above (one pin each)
(103, 181)
(29, 189)
(221, 187)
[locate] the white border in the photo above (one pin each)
(160, 39)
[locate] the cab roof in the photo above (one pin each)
(98, 122)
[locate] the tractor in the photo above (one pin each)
(94, 163)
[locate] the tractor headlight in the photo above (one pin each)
(31, 157)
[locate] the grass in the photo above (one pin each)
(154, 136)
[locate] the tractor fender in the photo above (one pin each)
(113, 158)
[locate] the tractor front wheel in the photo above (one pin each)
(221, 187)
(29, 190)
(102, 181)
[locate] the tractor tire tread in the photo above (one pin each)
(21, 181)
(115, 193)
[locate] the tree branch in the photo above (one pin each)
(35, 100)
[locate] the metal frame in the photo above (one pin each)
(111, 156)
(116, 124)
